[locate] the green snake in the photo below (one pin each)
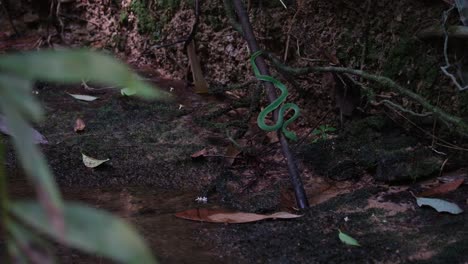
(280, 123)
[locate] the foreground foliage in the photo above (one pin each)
(72, 224)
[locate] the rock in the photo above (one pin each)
(406, 165)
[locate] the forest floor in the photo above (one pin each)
(361, 179)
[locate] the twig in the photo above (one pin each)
(366, 23)
(249, 36)
(434, 125)
(312, 130)
(442, 167)
(231, 14)
(194, 26)
(447, 61)
(402, 109)
(286, 49)
(220, 89)
(445, 144)
(6, 8)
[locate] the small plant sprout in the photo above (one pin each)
(322, 132)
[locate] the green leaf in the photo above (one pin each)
(16, 254)
(128, 91)
(16, 115)
(71, 66)
(26, 238)
(439, 205)
(90, 230)
(18, 93)
(347, 239)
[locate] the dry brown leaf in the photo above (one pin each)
(223, 216)
(443, 189)
(231, 154)
(272, 137)
(79, 125)
(199, 154)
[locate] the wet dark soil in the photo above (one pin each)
(152, 175)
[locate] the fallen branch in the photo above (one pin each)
(249, 36)
(460, 125)
(459, 32)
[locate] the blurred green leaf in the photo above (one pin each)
(15, 253)
(18, 93)
(26, 239)
(128, 91)
(71, 66)
(90, 230)
(16, 115)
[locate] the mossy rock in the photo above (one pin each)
(406, 165)
(370, 144)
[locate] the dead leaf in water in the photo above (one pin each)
(222, 216)
(79, 125)
(92, 162)
(443, 189)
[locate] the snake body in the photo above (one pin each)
(280, 123)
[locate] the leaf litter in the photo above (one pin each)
(230, 217)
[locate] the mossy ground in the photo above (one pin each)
(148, 143)
(400, 238)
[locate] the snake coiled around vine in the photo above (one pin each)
(276, 104)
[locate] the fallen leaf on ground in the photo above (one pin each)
(443, 189)
(200, 153)
(348, 240)
(92, 162)
(231, 154)
(222, 216)
(272, 137)
(87, 98)
(439, 205)
(79, 125)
